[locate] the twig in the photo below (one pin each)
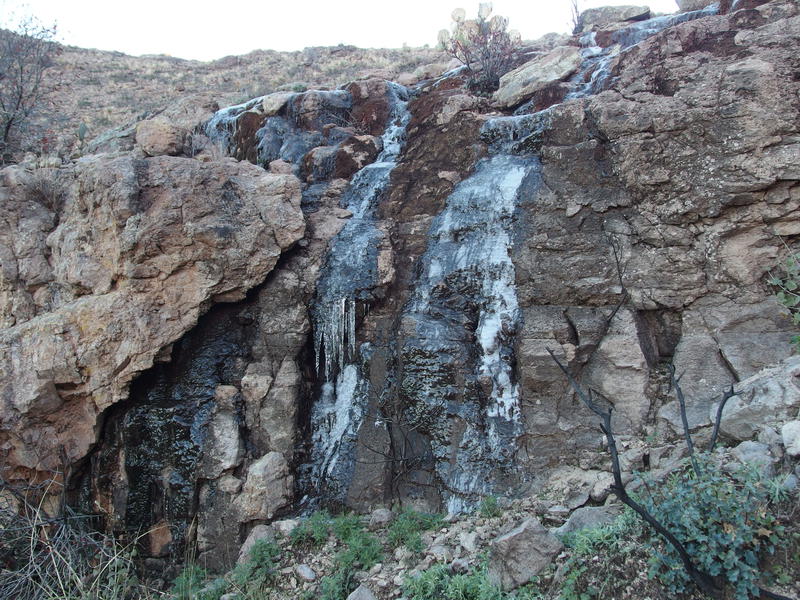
(675, 383)
(729, 393)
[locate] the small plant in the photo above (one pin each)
(260, 569)
(483, 45)
(489, 508)
(440, 583)
(788, 294)
(312, 532)
(406, 529)
(189, 582)
(361, 551)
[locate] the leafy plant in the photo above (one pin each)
(407, 527)
(440, 583)
(788, 294)
(612, 543)
(312, 532)
(189, 582)
(484, 45)
(260, 569)
(489, 507)
(361, 550)
(723, 523)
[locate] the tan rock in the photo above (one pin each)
(157, 137)
(689, 5)
(144, 249)
(606, 15)
(520, 84)
(268, 487)
(272, 104)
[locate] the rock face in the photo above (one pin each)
(399, 350)
(97, 289)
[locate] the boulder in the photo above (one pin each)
(269, 486)
(380, 517)
(362, 592)
(272, 104)
(690, 5)
(606, 15)
(588, 517)
(756, 455)
(157, 137)
(768, 399)
(520, 84)
(521, 553)
(790, 433)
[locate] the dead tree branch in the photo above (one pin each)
(703, 580)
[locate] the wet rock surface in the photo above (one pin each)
(631, 224)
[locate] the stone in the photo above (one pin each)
(690, 5)
(157, 137)
(285, 526)
(588, 517)
(790, 483)
(259, 532)
(767, 399)
(440, 553)
(469, 541)
(755, 454)
(380, 517)
(305, 572)
(607, 15)
(521, 553)
(520, 84)
(268, 487)
(272, 104)
(790, 434)
(362, 592)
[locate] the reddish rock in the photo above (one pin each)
(370, 105)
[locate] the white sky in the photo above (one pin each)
(203, 30)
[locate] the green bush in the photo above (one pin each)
(788, 294)
(723, 522)
(407, 527)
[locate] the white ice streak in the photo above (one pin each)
(337, 415)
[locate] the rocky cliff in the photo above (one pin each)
(362, 315)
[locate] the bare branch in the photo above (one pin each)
(727, 395)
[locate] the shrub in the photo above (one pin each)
(46, 557)
(405, 530)
(189, 582)
(723, 523)
(788, 294)
(483, 45)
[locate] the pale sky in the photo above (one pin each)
(205, 31)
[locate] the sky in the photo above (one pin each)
(205, 31)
